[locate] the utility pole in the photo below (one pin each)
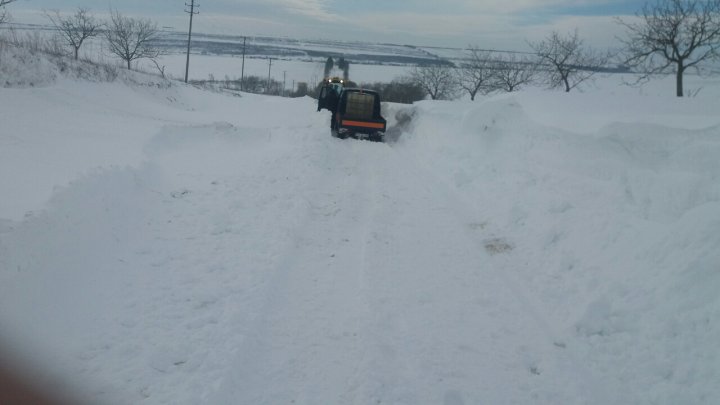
(284, 79)
(242, 71)
(268, 82)
(191, 12)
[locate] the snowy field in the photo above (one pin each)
(165, 245)
(292, 70)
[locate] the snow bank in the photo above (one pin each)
(134, 303)
(616, 229)
(21, 68)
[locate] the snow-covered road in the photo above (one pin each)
(201, 248)
(247, 266)
(357, 308)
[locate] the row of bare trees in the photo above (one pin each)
(485, 74)
(487, 71)
(558, 61)
(128, 38)
(668, 36)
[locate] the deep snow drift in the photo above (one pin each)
(168, 245)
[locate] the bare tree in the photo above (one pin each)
(253, 84)
(475, 75)
(510, 73)
(437, 80)
(130, 38)
(76, 28)
(161, 69)
(673, 35)
(4, 16)
(568, 61)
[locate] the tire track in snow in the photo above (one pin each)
(385, 296)
(305, 343)
(434, 313)
(566, 360)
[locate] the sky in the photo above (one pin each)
(494, 24)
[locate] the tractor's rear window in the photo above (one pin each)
(360, 105)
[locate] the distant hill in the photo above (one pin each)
(311, 50)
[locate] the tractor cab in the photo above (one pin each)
(330, 93)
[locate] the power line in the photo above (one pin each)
(191, 12)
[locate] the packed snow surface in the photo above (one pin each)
(166, 245)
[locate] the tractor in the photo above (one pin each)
(355, 111)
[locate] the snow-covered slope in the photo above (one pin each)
(169, 245)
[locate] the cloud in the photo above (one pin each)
(496, 7)
(278, 9)
(492, 23)
(596, 31)
(309, 8)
